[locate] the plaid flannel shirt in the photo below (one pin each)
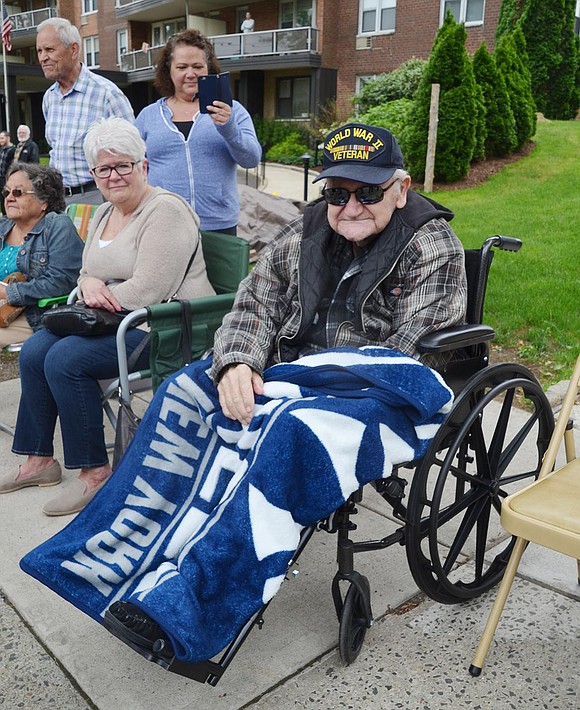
(426, 290)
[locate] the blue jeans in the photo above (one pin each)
(58, 378)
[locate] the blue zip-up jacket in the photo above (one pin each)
(50, 258)
(203, 168)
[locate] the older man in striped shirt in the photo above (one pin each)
(76, 100)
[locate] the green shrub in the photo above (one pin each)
(511, 59)
(448, 66)
(499, 118)
(271, 131)
(393, 115)
(401, 83)
(288, 151)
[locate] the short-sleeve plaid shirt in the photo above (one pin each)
(68, 117)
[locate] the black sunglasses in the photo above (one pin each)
(366, 194)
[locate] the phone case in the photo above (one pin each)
(214, 87)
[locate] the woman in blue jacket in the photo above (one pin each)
(37, 241)
(191, 153)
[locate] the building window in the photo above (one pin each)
(162, 31)
(89, 6)
(377, 16)
(296, 13)
(293, 97)
(122, 44)
(468, 11)
(91, 51)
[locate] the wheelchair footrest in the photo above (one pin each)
(203, 672)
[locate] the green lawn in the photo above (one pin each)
(533, 296)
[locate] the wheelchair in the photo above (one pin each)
(449, 520)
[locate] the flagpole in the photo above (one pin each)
(6, 107)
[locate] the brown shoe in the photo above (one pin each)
(73, 498)
(49, 476)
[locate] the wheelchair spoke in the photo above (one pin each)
(498, 438)
(465, 528)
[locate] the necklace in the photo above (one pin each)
(183, 110)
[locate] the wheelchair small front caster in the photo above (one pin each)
(354, 623)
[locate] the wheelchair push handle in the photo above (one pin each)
(504, 243)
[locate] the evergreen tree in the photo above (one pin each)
(548, 26)
(450, 67)
(511, 56)
(509, 14)
(480, 125)
(501, 137)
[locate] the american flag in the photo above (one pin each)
(7, 27)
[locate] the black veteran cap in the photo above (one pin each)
(363, 153)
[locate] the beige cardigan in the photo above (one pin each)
(151, 253)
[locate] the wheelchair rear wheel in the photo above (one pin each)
(486, 449)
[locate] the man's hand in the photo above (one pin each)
(236, 388)
(96, 294)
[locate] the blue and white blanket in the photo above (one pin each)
(200, 520)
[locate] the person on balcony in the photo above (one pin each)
(77, 99)
(197, 154)
(247, 24)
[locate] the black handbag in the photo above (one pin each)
(79, 319)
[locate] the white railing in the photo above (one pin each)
(140, 59)
(30, 20)
(251, 44)
(254, 44)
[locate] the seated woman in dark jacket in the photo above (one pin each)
(38, 241)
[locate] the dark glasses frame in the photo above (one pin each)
(365, 194)
(104, 172)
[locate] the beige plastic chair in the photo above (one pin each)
(547, 513)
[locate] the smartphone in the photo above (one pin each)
(214, 87)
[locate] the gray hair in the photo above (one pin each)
(114, 135)
(46, 183)
(25, 129)
(67, 33)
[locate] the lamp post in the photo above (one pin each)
(306, 163)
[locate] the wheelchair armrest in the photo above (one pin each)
(458, 336)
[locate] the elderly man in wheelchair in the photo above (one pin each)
(315, 387)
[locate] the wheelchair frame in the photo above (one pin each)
(456, 488)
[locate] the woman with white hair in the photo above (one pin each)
(26, 149)
(138, 251)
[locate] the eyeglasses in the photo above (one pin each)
(366, 194)
(122, 169)
(15, 192)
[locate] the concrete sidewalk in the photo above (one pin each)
(415, 656)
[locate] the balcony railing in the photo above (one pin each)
(140, 59)
(30, 20)
(252, 44)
